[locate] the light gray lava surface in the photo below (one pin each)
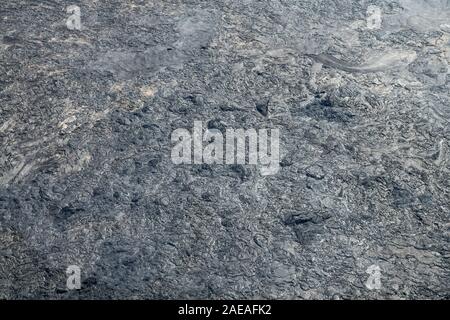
(86, 176)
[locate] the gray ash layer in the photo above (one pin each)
(86, 176)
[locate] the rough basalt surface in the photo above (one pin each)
(86, 176)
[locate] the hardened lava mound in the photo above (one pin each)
(358, 89)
